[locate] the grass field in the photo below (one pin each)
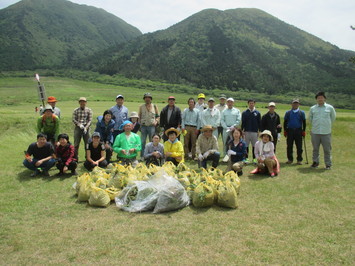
(303, 216)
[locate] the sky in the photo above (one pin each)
(329, 20)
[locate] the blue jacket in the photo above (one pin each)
(105, 130)
(251, 120)
(240, 149)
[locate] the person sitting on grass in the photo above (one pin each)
(95, 153)
(264, 153)
(48, 124)
(65, 154)
(173, 149)
(104, 126)
(237, 151)
(127, 144)
(154, 151)
(40, 156)
(207, 148)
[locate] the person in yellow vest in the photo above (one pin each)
(48, 124)
(173, 149)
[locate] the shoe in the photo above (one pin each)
(60, 173)
(328, 167)
(190, 155)
(289, 162)
(299, 163)
(246, 161)
(315, 165)
(45, 173)
(240, 173)
(272, 174)
(255, 161)
(73, 172)
(35, 173)
(195, 159)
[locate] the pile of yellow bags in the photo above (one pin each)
(204, 187)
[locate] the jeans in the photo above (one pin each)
(146, 131)
(44, 166)
(212, 157)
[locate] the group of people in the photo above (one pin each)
(200, 124)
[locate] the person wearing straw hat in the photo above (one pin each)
(170, 116)
(207, 147)
(52, 101)
(133, 117)
(173, 149)
(271, 121)
(82, 118)
(148, 118)
(211, 116)
(120, 114)
(48, 124)
(265, 155)
(127, 144)
(230, 118)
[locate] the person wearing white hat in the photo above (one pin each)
(230, 118)
(271, 121)
(120, 113)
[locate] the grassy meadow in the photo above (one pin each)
(303, 216)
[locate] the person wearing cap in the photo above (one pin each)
(237, 150)
(251, 119)
(154, 151)
(201, 105)
(230, 118)
(321, 117)
(48, 124)
(264, 153)
(207, 147)
(104, 126)
(271, 121)
(120, 114)
(170, 116)
(211, 116)
(133, 117)
(127, 144)
(52, 101)
(149, 119)
(82, 118)
(294, 130)
(39, 156)
(221, 107)
(95, 153)
(65, 154)
(190, 125)
(173, 150)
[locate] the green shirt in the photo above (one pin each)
(48, 125)
(124, 143)
(322, 118)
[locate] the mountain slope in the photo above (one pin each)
(236, 49)
(50, 33)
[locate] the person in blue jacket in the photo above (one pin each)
(237, 151)
(104, 126)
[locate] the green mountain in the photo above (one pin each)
(239, 50)
(52, 33)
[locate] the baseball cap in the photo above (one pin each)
(119, 96)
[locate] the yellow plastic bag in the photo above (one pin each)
(227, 196)
(99, 197)
(112, 192)
(234, 179)
(85, 190)
(203, 196)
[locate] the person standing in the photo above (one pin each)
(322, 117)
(271, 121)
(207, 147)
(48, 124)
(294, 130)
(120, 114)
(104, 126)
(82, 118)
(170, 116)
(221, 107)
(201, 105)
(149, 118)
(190, 123)
(52, 101)
(230, 119)
(251, 120)
(211, 116)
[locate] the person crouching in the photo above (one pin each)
(237, 151)
(95, 153)
(173, 149)
(264, 153)
(207, 147)
(127, 144)
(65, 153)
